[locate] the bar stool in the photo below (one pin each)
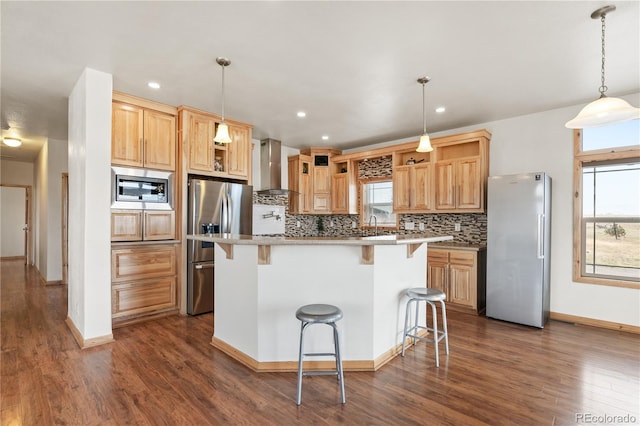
(430, 296)
(320, 314)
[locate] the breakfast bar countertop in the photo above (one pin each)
(354, 241)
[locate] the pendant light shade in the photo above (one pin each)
(603, 111)
(425, 140)
(222, 134)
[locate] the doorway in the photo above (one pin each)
(65, 227)
(15, 222)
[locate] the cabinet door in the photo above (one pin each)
(143, 296)
(142, 262)
(340, 193)
(127, 132)
(422, 187)
(468, 184)
(401, 188)
(445, 185)
(159, 225)
(159, 140)
(200, 140)
(461, 284)
(305, 192)
(437, 269)
(239, 151)
(321, 180)
(321, 203)
(126, 225)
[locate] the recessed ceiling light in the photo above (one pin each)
(14, 142)
(153, 85)
(301, 114)
(325, 137)
(440, 109)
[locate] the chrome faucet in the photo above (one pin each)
(375, 222)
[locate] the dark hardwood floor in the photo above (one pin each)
(166, 372)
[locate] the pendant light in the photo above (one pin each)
(603, 111)
(425, 141)
(222, 134)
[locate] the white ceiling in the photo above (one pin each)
(352, 66)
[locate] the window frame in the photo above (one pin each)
(583, 159)
(361, 183)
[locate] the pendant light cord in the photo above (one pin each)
(223, 67)
(603, 88)
(424, 115)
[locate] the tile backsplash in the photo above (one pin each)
(473, 226)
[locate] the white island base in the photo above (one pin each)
(261, 282)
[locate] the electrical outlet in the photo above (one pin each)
(409, 226)
(421, 226)
(354, 225)
(457, 226)
(297, 224)
(331, 224)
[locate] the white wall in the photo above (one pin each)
(89, 155)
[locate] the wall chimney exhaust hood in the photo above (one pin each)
(271, 168)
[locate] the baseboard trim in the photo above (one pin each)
(292, 366)
(594, 322)
(87, 343)
(11, 258)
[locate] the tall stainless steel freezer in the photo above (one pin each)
(214, 207)
(518, 248)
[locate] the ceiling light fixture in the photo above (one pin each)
(13, 142)
(222, 134)
(440, 110)
(425, 141)
(301, 114)
(325, 137)
(604, 110)
(153, 85)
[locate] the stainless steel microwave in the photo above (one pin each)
(141, 189)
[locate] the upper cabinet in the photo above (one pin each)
(143, 133)
(461, 172)
(204, 156)
(299, 169)
(412, 182)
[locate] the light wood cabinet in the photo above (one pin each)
(344, 186)
(139, 225)
(412, 183)
(204, 156)
(143, 281)
(321, 189)
(299, 171)
(461, 172)
(340, 193)
(460, 274)
(142, 137)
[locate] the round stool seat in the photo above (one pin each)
(319, 313)
(425, 293)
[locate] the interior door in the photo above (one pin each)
(14, 222)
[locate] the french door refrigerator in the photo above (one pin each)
(214, 207)
(518, 248)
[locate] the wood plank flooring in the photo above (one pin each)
(166, 372)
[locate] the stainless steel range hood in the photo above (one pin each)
(271, 168)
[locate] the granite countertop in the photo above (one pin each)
(458, 246)
(355, 241)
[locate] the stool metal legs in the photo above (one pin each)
(338, 371)
(412, 331)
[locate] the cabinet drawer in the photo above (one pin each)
(143, 296)
(134, 263)
(462, 258)
(434, 255)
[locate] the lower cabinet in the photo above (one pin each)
(143, 281)
(460, 274)
(139, 225)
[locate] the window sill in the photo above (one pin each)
(607, 282)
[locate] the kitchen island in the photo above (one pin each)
(260, 282)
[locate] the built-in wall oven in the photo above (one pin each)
(141, 189)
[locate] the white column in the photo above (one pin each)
(89, 303)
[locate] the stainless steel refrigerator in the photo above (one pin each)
(518, 248)
(214, 207)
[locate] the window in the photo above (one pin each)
(377, 201)
(607, 205)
